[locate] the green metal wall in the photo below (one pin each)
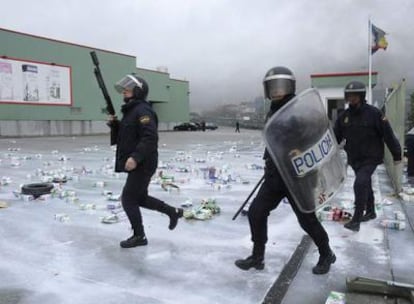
(157, 82)
(178, 109)
(87, 99)
(170, 97)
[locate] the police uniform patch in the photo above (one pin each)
(144, 119)
(346, 119)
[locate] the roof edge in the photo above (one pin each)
(64, 42)
(343, 74)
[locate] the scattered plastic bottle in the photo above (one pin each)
(87, 206)
(62, 217)
(113, 206)
(399, 215)
(99, 184)
(393, 224)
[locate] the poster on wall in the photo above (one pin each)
(29, 82)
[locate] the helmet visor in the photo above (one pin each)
(277, 88)
(353, 96)
(127, 83)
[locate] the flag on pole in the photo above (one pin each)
(378, 41)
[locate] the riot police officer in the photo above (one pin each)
(136, 139)
(364, 129)
(279, 87)
(409, 142)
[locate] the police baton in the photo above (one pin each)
(247, 199)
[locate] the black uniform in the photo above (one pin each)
(136, 136)
(409, 142)
(279, 87)
(365, 129)
(271, 192)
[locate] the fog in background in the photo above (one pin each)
(225, 47)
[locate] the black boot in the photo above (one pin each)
(134, 241)
(174, 214)
(368, 216)
(256, 260)
(324, 263)
(352, 225)
(249, 262)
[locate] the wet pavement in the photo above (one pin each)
(57, 250)
(373, 252)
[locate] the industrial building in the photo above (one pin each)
(331, 88)
(48, 87)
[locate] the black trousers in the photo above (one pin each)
(409, 142)
(135, 195)
(410, 164)
(364, 195)
(270, 194)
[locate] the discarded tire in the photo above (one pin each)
(59, 180)
(37, 189)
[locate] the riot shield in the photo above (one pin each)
(301, 142)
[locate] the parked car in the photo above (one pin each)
(211, 126)
(186, 126)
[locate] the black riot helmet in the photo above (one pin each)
(357, 88)
(278, 83)
(135, 83)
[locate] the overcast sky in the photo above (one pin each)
(225, 47)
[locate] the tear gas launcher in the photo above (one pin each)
(109, 106)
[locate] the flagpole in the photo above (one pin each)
(369, 61)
